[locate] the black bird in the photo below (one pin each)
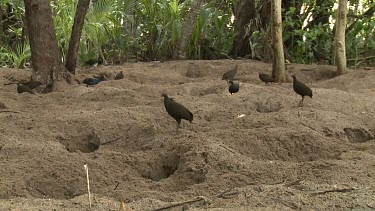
(119, 76)
(176, 110)
(91, 62)
(301, 89)
(32, 84)
(265, 78)
(94, 61)
(233, 87)
(229, 75)
(49, 88)
(23, 88)
(94, 81)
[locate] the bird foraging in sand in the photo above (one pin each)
(94, 81)
(32, 84)
(23, 88)
(229, 75)
(233, 87)
(301, 89)
(91, 62)
(119, 76)
(176, 110)
(265, 78)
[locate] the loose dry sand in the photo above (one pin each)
(277, 156)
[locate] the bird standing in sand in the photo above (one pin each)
(229, 75)
(23, 88)
(265, 78)
(119, 76)
(176, 110)
(233, 87)
(94, 81)
(301, 89)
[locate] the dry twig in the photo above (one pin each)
(341, 190)
(7, 111)
(198, 199)
(228, 194)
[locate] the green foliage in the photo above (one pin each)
(213, 34)
(143, 30)
(131, 30)
(63, 21)
(360, 39)
(303, 37)
(15, 58)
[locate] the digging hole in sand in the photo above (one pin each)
(162, 168)
(87, 144)
(358, 135)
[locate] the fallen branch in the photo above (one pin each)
(228, 194)
(198, 199)
(364, 58)
(6, 111)
(116, 186)
(342, 190)
(310, 128)
(227, 148)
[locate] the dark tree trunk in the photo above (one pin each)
(45, 55)
(244, 13)
(79, 19)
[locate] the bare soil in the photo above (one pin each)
(254, 150)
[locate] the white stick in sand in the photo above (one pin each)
(88, 183)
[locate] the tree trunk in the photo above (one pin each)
(45, 55)
(244, 13)
(188, 28)
(79, 19)
(278, 65)
(340, 51)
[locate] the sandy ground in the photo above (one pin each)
(254, 150)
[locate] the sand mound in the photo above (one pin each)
(257, 142)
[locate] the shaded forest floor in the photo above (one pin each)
(267, 153)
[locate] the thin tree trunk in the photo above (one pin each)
(278, 66)
(188, 28)
(45, 55)
(79, 19)
(340, 51)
